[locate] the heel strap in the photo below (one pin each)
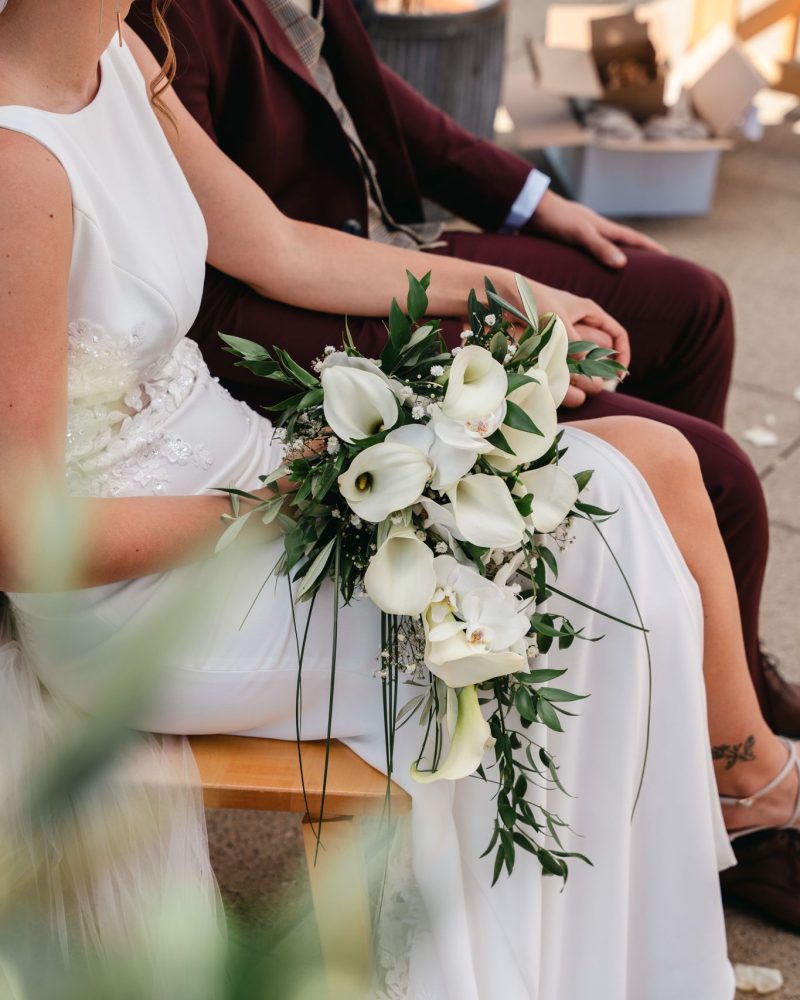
(792, 761)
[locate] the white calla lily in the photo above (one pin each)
(554, 494)
(400, 578)
(470, 740)
(384, 478)
(537, 402)
(449, 463)
(476, 385)
(553, 360)
(484, 512)
(357, 403)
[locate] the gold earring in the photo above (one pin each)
(119, 26)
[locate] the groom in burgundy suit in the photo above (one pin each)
(295, 95)
(292, 91)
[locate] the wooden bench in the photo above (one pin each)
(239, 772)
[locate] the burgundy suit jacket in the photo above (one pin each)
(241, 78)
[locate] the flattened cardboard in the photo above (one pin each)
(721, 80)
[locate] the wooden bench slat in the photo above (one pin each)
(241, 772)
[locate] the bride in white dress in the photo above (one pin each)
(102, 250)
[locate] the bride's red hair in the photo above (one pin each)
(167, 73)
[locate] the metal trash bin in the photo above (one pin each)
(455, 60)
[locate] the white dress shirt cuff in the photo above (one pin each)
(527, 200)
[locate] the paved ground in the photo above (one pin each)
(752, 238)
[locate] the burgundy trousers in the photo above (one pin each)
(680, 322)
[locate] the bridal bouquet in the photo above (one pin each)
(431, 481)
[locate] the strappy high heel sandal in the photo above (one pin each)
(792, 763)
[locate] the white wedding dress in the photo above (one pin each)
(146, 418)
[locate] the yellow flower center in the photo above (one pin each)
(363, 482)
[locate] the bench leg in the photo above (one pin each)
(340, 893)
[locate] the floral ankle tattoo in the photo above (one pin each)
(734, 753)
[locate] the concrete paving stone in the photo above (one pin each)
(780, 621)
(752, 407)
(782, 487)
(752, 942)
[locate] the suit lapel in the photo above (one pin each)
(274, 37)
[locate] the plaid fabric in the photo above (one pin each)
(307, 35)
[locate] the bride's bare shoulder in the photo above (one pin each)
(35, 198)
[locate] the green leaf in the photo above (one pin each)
(293, 369)
(541, 676)
(517, 418)
(549, 559)
(523, 702)
(231, 533)
(399, 326)
(528, 300)
(498, 346)
(247, 349)
(316, 569)
(524, 504)
(507, 307)
(270, 510)
(517, 379)
(498, 441)
(548, 716)
(583, 479)
(417, 297)
(556, 694)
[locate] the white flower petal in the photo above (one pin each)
(456, 433)
(384, 478)
(471, 738)
(357, 403)
(400, 577)
(476, 385)
(554, 494)
(553, 359)
(484, 512)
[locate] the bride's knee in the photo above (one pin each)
(661, 453)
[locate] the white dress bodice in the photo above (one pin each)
(144, 415)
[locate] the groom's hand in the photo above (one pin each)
(573, 223)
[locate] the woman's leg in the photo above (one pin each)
(746, 753)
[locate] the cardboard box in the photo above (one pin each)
(619, 179)
(642, 179)
(582, 42)
(602, 53)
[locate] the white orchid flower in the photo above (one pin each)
(400, 577)
(467, 435)
(484, 512)
(357, 403)
(537, 401)
(471, 739)
(553, 361)
(474, 629)
(384, 478)
(554, 494)
(449, 463)
(476, 385)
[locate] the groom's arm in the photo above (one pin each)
(471, 177)
(495, 189)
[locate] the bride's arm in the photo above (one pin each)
(124, 538)
(304, 265)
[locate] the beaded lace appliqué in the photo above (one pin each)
(116, 441)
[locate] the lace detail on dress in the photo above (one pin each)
(400, 927)
(116, 437)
